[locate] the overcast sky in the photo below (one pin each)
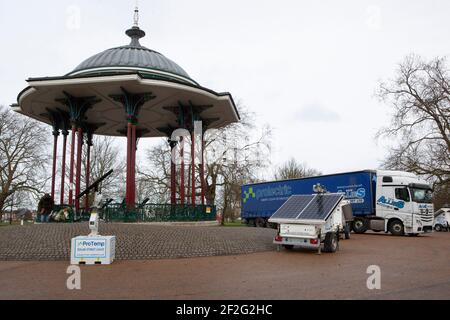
(309, 68)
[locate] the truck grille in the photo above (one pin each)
(426, 218)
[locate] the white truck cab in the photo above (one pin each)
(403, 205)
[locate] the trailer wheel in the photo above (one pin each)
(347, 231)
(251, 223)
(438, 228)
(260, 223)
(396, 228)
(272, 225)
(288, 247)
(331, 243)
(360, 225)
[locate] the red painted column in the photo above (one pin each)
(173, 173)
(182, 178)
(133, 165)
(202, 171)
(193, 169)
(88, 172)
(63, 167)
(78, 176)
(128, 183)
(72, 165)
(55, 154)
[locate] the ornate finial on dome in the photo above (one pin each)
(135, 33)
(136, 15)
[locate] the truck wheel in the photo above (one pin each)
(260, 223)
(331, 243)
(438, 228)
(396, 228)
(251, 223)
(288, 247)
(347, 231)
(360, 225)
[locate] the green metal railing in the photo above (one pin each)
(159, 213)
(146, 213)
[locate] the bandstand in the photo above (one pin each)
(127, 91)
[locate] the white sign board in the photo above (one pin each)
(93, 250)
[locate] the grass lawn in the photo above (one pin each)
(235, 224)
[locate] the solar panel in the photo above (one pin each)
(308, 207)
(321, 207)
(293, 207)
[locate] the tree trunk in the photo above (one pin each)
(2, 205)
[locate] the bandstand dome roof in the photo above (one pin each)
(136, 70)
(132, 57)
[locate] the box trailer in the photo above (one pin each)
(390, 201)
(310, 221)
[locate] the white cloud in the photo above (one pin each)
(316, 113)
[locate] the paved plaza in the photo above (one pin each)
(51, 242)
(411, 268)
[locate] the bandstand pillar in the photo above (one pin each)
(78, 175)
(202, 170)
(128, 176)
(55, 154)
(182, 174)
(130, 197)
(56, 124)
(64, 125)
(65, 133)
(72, 164)
(173, 174)
(78, 107)
(189, 118)
(132, 104)
(88, 167)
(193, 194)
(133, 164)
(132, 136)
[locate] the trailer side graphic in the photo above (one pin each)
(264, 199)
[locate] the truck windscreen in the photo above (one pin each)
(422, 195)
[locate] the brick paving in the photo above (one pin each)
(51, 242)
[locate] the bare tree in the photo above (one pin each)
(234, 155)
(23, 157)
(295, 170)
(441, 197)
(153, 181)
(420, 99)
(105, 156)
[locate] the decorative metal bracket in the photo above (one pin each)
(55, 120)
(187, 114)
(65, 121)
(78, 106)
(132, 102)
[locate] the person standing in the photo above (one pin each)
(45, 207)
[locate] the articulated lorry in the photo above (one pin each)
(383, 201)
